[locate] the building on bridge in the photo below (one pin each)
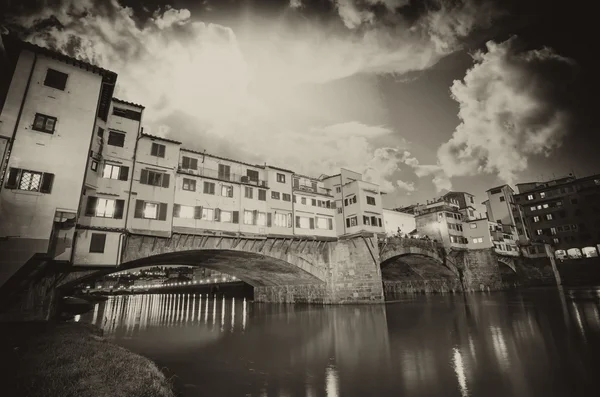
(50, 106)
(441, 220)
(466, 204)
(83, 175)
(502, 209)
(565, 213)
(358, 203)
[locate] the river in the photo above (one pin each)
(533, 342)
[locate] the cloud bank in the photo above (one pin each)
(237, 89)
(514, 104)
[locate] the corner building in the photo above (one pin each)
(50, 106)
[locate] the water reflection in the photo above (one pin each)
(519, 343)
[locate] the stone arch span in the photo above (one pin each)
(417, 266)
(266, 262)
(508, 262)
(508, 270)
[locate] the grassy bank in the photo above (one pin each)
(72, 359)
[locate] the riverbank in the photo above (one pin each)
(73, 359)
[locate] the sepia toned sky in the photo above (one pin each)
(419, 96)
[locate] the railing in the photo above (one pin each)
(228, 177)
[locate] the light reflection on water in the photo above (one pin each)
(518, 343)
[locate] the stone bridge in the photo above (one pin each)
(280, 269)
(357, 269)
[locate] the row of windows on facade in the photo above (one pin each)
(191, 164)
(550, 193)
(352, 200)
(458, 239)
(367, 221)
(113, 208)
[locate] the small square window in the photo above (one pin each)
(44, 123)
(157, 150)
(56, 79)
(97, 243)
(94, 165)
(281, 178)
(116, 139)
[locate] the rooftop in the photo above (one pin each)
(128, 103)
(12, 39)
(160, 138)
(223, 158)
(500, 187)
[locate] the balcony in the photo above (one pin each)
(227, 177)
(311, 189)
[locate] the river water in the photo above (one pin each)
(534, 342)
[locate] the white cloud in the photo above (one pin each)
(296, 4)
(408, 186)
(510, 110)
(238, 86)
(440, 179)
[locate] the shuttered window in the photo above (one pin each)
(34, 181)
(154, 178)
(116, 139)
(150, 210)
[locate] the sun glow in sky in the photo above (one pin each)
(308, 88)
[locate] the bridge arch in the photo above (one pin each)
(508, 270)
(267, 262)
(411, 265)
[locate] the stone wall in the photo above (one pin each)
(480, 270)
(534, 271)
(315, 294)
(355, 271)
(394, 289)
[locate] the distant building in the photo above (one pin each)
(565, 213)
(466, 204)
(394, 220)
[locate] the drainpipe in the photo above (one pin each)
(14, 134)
(129, 196)
(293, 208)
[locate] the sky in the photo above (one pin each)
(421, 97)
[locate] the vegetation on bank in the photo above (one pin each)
(72, 359)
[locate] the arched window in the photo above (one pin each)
(560, 254)
(574, 253)
(590, 252)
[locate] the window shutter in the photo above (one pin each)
(165, 180)
(119, 205)
(13, 178)
(312, 222)
(379, 221)
(297, 221)
(365, 220)
(194, 164)
(313, 202)
(296, 183)
(330, 223)
(254, 216)
(332, 203)
(268, 219)
(217, 215)
(373, 221)
(161, 150)
(123, 173)
(185, 162)
(347, 222)
(162, 212)
(198, 212)
(153, 149)
(139, 209)
(289, 220)
(236, 217)
(144, 177)
(176, 210)
(354, 199)
(90, 209)
(47, 180)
